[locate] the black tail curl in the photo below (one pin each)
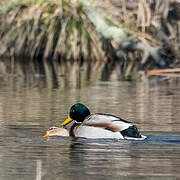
(132, 131)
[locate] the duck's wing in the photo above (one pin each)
(56, 131)
(107, 121)
(52, 128)
(113, 124)
(60, 132)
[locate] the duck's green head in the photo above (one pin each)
(78, 112)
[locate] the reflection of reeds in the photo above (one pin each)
(64, 75)
(38, 169)
(49, 29)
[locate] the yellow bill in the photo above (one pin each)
(67, 121)
(46, 135)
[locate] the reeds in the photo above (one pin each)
(48, 29)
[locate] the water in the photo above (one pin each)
(26, 112)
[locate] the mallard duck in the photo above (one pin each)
(99, 125)
(56, 131)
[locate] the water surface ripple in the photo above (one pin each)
(25, 114)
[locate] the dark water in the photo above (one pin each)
(25, 113)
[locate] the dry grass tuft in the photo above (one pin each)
(48, 29)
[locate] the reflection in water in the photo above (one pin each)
(101, 159)
(59, 74)
(27, 111)
(122, 158)
(38, 170)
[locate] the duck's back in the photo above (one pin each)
(107, 120)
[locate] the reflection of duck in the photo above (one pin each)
(99, 125)
(56, 131)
